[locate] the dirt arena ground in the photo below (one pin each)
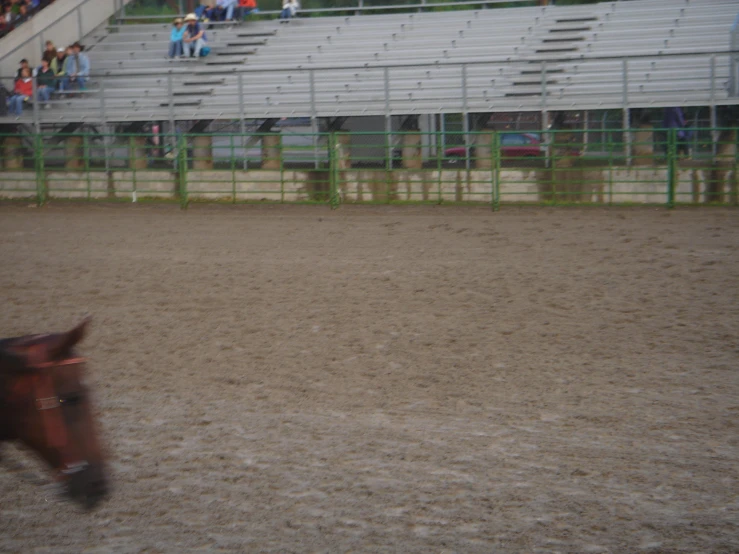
(411, 380)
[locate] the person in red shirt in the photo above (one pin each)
(23, 93)
(245, 8)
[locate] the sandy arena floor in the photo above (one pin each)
(291, 379)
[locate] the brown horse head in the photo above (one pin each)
(45, 404)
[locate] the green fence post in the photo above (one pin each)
(495, 157)
(86, 159)
(233, 169)
(40, 168)
(182, 169)
(439, 166)
(671, 166)
(735, 177)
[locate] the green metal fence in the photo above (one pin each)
(634, 166)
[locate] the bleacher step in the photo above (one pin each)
(180, 104)
(205, 92)
(239, 53)
(251, 35)
(538, 71)
(567, 39)
(571, 30)
(524, 94)
(252, 43)
(555, 50)
(205, 83)
(226, 62)
(576, 20)
(529, 83)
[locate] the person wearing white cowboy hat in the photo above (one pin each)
(194, 36)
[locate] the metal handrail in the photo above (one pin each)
(380, 65)
(35, 36)
(358, 9)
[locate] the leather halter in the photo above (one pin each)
(49, 405)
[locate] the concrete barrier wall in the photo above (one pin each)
(616, 185)
(146, 184)
(76, 184)
(255, 185)
(18, 184)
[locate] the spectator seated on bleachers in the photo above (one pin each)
(57, 66)
(77, 69)
(22, 93)
(16, 12)
(223, 10)
(8, 18)
(289, 9)
(194, 39)
(245, 8)
(23, 15)
(50, 52)
(175, 39)
(45, 83)
(23, 64)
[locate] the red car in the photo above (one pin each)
(512, 145)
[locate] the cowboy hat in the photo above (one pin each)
(177, 20)
(191, 17)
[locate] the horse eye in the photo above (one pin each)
(71, 400)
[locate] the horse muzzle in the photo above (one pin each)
(86, 484)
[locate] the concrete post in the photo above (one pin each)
(73, 154)
(643, 145)
(562, 147)
(137, 153)
(723, 168)
(12, 154)
(412, 158)
(272, 151)
(483, 153)
(202, 152)
(343, 152)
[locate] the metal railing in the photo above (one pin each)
(358, 8)
(490, 167)
(58, 29)
(309, 93)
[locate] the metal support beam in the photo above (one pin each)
(625, 120)
(712, 107)
(336, 124)
(545, 115)
(465, 118)
(265, 127)
(200, 126)
(172, 133)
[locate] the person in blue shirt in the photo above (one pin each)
(194, 36)
(175, 39)
(223, 10)
(673, 118)
(77, 68)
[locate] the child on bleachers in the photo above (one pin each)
(175, 38)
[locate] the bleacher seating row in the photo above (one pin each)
(517, 59)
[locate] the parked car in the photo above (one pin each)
(512, 145)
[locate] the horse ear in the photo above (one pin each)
(64, 341)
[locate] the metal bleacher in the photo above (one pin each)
(640, 53)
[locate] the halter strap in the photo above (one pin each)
(49, 407)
